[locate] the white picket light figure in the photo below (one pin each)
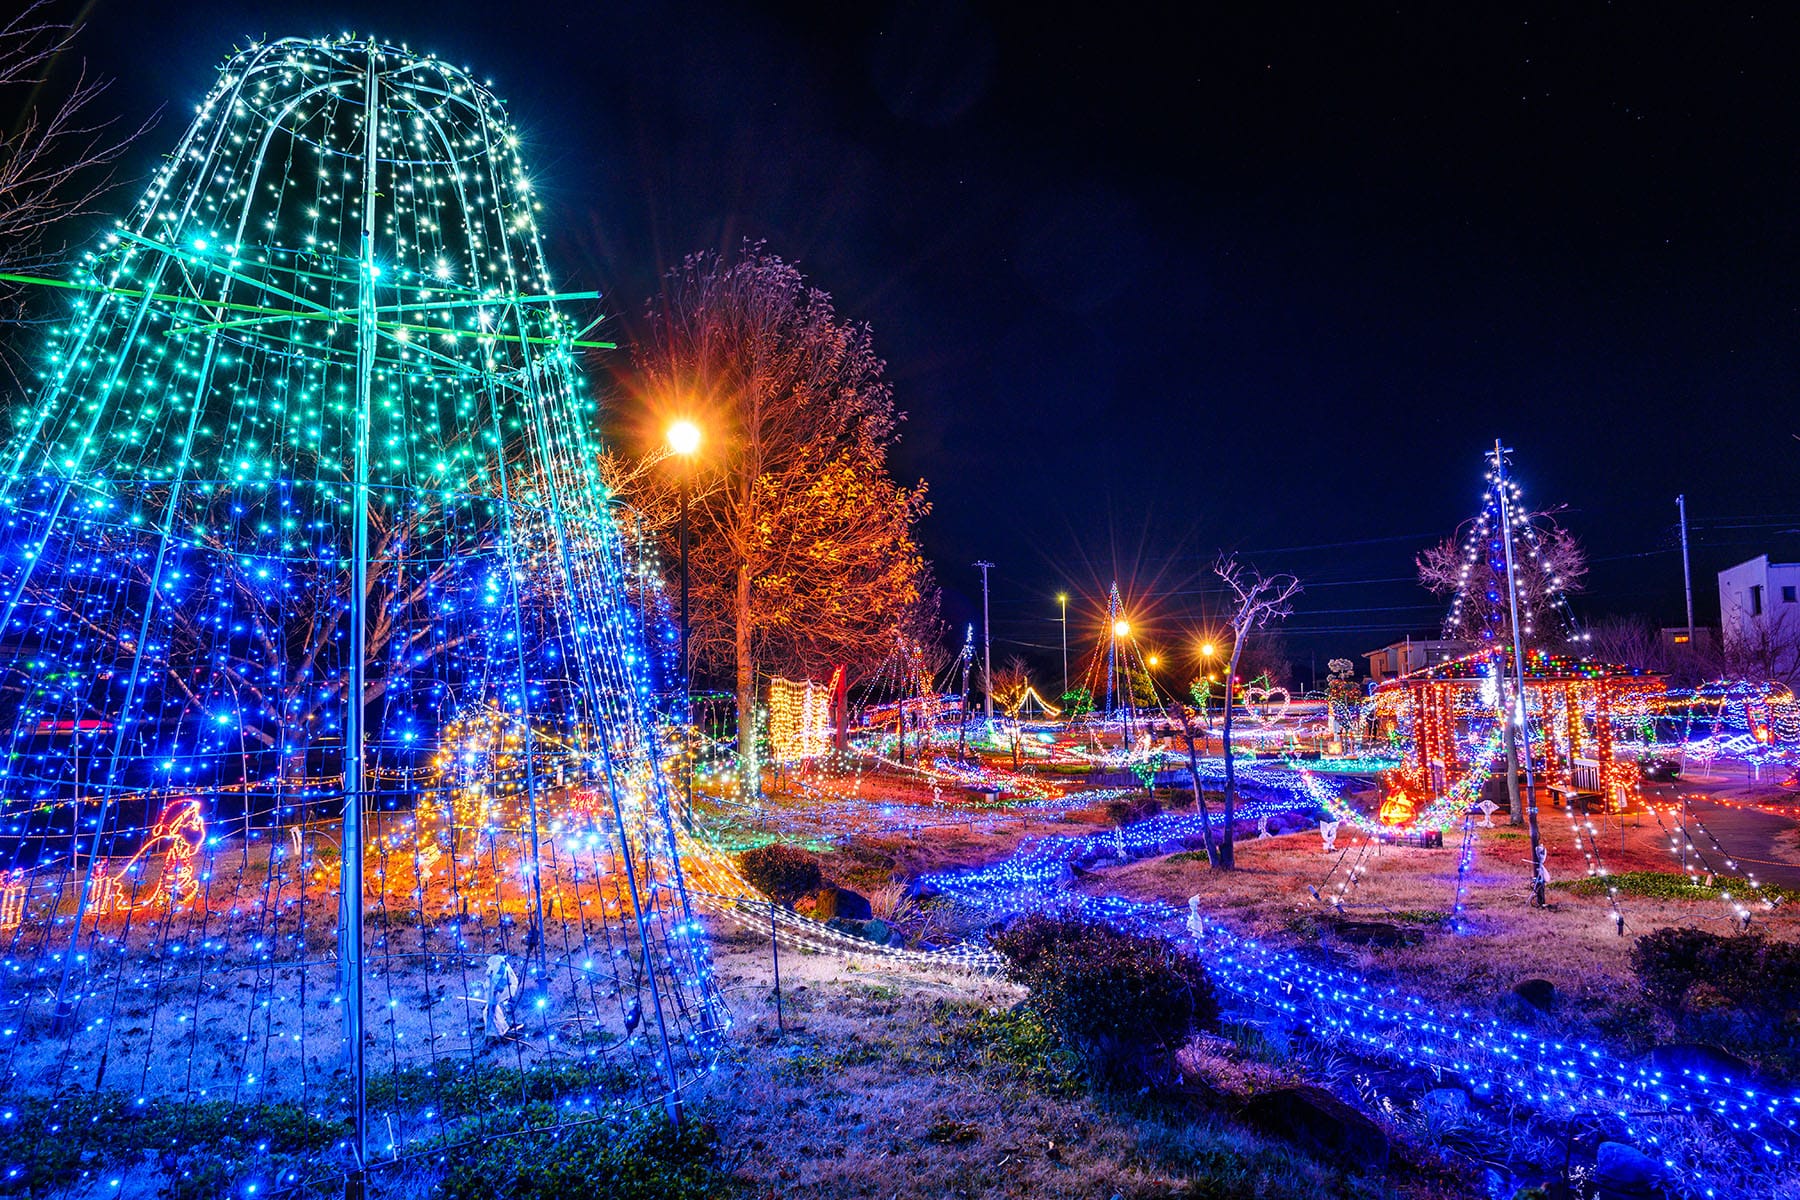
(1488, 809)
(502, 988)
(1328, 832)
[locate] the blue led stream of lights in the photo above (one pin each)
(1499, 1062)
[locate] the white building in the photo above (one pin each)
(1757, 597)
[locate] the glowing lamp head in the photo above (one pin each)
(1121, 628)
(1154, 660)
(684, 438)
(1207, 649)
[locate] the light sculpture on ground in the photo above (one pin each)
(303, 538)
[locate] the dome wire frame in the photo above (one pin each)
(315, 429)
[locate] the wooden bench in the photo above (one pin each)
(1583, 787)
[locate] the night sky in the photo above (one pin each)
(1153, 287)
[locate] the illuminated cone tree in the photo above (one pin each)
(312, 608)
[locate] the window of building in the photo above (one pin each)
(1788, 593)
(1756, 599)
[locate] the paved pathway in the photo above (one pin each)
(1754, 836)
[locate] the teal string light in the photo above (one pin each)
(302, 523)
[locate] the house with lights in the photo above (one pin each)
(1757, 598)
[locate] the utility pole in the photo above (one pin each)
(987, 646)
(1518, 704)
(1687, 577)
(1062, 598)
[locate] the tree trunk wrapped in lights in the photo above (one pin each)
(305, 520)
(802, 552)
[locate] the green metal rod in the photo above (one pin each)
(288, 314)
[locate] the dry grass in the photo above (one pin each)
(1573, 942)
(889, 1084)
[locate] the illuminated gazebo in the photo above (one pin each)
(1450, 717)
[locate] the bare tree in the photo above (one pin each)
(279, 662)
(58, 157)
(1768, 649)
(1488, 587)
(1636, 642)
(802, 553)
(1010, 682)
(1257, 599)
(1630, 640)
(1550, 561)
(1186, 716)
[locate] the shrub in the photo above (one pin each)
(1741, 991)
(649, 1159)
(1747, 969)
(1125, 1003)
(1669, 885)
(1129, 809)
(782, 873)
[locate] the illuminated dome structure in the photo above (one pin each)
(314, 429)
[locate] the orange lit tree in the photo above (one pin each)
(802, 551)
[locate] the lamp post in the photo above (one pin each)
(684, 441)
(1207, 651)
(1121, 628)
(1062, 599)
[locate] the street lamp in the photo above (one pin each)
(1207, 653)
(684, 438)
(1062, 598)
(1121, 628)
(684, 442)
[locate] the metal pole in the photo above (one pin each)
(775, 949)
(1064, 601)
(350, 881)
(1687, 578)
(987, 647)
(687, 683)
(1518, 705)
(1112, 644)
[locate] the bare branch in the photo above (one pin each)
(60, 157)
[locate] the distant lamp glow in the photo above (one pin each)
(1207, 649)
(684, 438)
(1121, 628)
(1154, 660)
